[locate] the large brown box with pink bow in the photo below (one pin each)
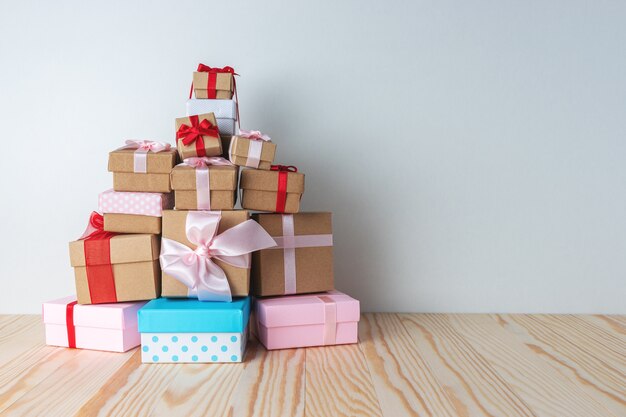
(201, 134)
(155, 179)
(221, 193)
(261, 190)
(303, 260)
(175, 228)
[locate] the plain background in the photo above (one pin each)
(472, 152)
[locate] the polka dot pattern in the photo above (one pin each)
(193, 347)
(146, 204)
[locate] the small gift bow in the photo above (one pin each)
(254, 135)
(284, 168)
(196, 267)
(147, 145)
(205, 161)
(189, 134)
(95, 228)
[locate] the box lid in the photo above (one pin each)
(263, 180)
(123, 249)
(165, 315)
(222, 178)
(104, 316)
(123, 160)
(146, 204)
(223, 109)
(306, 309)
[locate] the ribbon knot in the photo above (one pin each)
(254, 135)
(190, 133)
(147, 145)
(206, 68)
(196, 267)
(284, 168)
(205, 161)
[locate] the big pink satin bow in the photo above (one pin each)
(254, 135)
(196, 267)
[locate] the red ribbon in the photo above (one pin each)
(69, 322)
(212, 79)
(194, 133)
(281, 195)
(97, 250)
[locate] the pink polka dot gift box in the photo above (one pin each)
(133, 212)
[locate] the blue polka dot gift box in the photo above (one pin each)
(192, 331)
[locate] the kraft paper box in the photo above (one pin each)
(211, 142)
(128, 212)
(156, 179)
(110, 327)
(225, 112)
(260, 190)
(193, 331)
(129, 261)
(222, 190)
(174, 227)
(307, 320)
(239, 152)
(302, 261)
(224, 85)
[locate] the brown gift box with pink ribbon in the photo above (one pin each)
(273, 191)
(251, 153)
(198, 136)
(221, 193)
(130, 261)
(303, 260)
(174, 228)
(156, 175)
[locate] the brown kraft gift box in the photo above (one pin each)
(212, 144)
(174, 223)
(260, 190)
(131, 223)
(223, 85)
(313, 264)
(135, 264)
(222, 187)
(155, 180)
(238, 152)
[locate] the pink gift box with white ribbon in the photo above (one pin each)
(143, 204)
(321, 319)
(110, 327)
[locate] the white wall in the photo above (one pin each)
(472, 152)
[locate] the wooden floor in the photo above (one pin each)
(405, 365)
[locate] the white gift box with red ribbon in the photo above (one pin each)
(225, 113)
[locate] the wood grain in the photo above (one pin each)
(405, 365)
(545, 390)
(404, 382)
(271, 385)
(338, 383)
(466, 376)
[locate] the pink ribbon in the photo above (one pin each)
(195, 267)
(330, 320)
(140, 157)
(203, 179)
(289, 242)
(256, 145)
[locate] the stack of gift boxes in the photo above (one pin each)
(169, 232)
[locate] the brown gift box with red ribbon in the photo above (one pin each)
(198, 136)
(213, 85)
(116, 268)
(174, 228)
(278, 190)
(156, 179)
(222, 190)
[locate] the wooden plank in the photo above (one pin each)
(199, 390)
(70, 386)
(27, 370)
(338, 383)
(132, 391)
(20, 333)
(475, 387)
(272, 384)
(615, 325)
(562, 346)
(545, 390)
(404, 383)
